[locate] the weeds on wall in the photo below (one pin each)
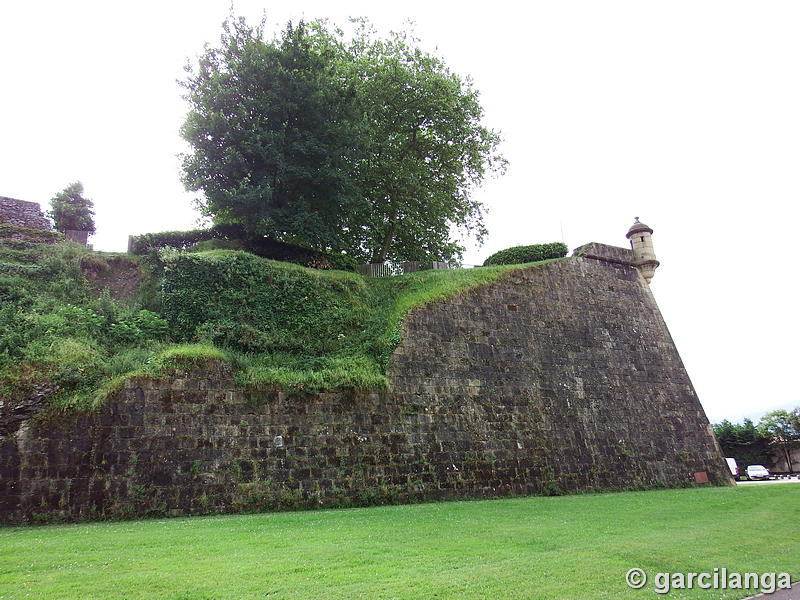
(291, 328)
(278, 326)
(59, 339)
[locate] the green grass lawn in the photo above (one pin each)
(565, 547)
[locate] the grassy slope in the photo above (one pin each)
(564, 547)
(59, 337)
(367, 338)
(312, 330)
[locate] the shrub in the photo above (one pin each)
(70, 210)
(217, 244)
(233, 237)
(79, 320)
(55, 335)
(342, 262)
(29, 234)
(152, 326)
(149, 243)
(526, 254)
(237, 299)
(138, 328)
(299, 255)
(16, 251)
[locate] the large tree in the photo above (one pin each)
(782, 429)
(264, 127)
(742, 441)
(425, 148)
(70, 210)
(364, 145)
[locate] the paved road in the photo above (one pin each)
(769, 481)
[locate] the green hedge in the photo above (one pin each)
(245, 302)
(525, 254)
(147, 242)
(265, 248)
(306, 257)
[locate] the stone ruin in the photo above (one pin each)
(23, 214)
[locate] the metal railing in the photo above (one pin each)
(389, 269)
(379, 270)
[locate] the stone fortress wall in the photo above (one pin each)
(22, 214)
(558, 378)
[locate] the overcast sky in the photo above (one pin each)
(684, 113)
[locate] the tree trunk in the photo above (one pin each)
(380, 253)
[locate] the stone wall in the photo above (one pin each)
(559, 378)
(612, 254)
(22, 214)
(573, 357)
(776, 461)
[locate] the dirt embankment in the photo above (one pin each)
(120, 276)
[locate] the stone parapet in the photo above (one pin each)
(612, 254)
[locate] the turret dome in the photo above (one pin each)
(637, 227)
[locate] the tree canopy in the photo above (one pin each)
(70, 210)
(782, 428)
(742, 441)
(751, 444)
(358, 144)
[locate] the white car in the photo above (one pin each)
(757, 472)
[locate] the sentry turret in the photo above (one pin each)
(644, 257)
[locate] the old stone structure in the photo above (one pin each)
(22, 214)
(560, 377)
(644, 257)
(78, 236)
